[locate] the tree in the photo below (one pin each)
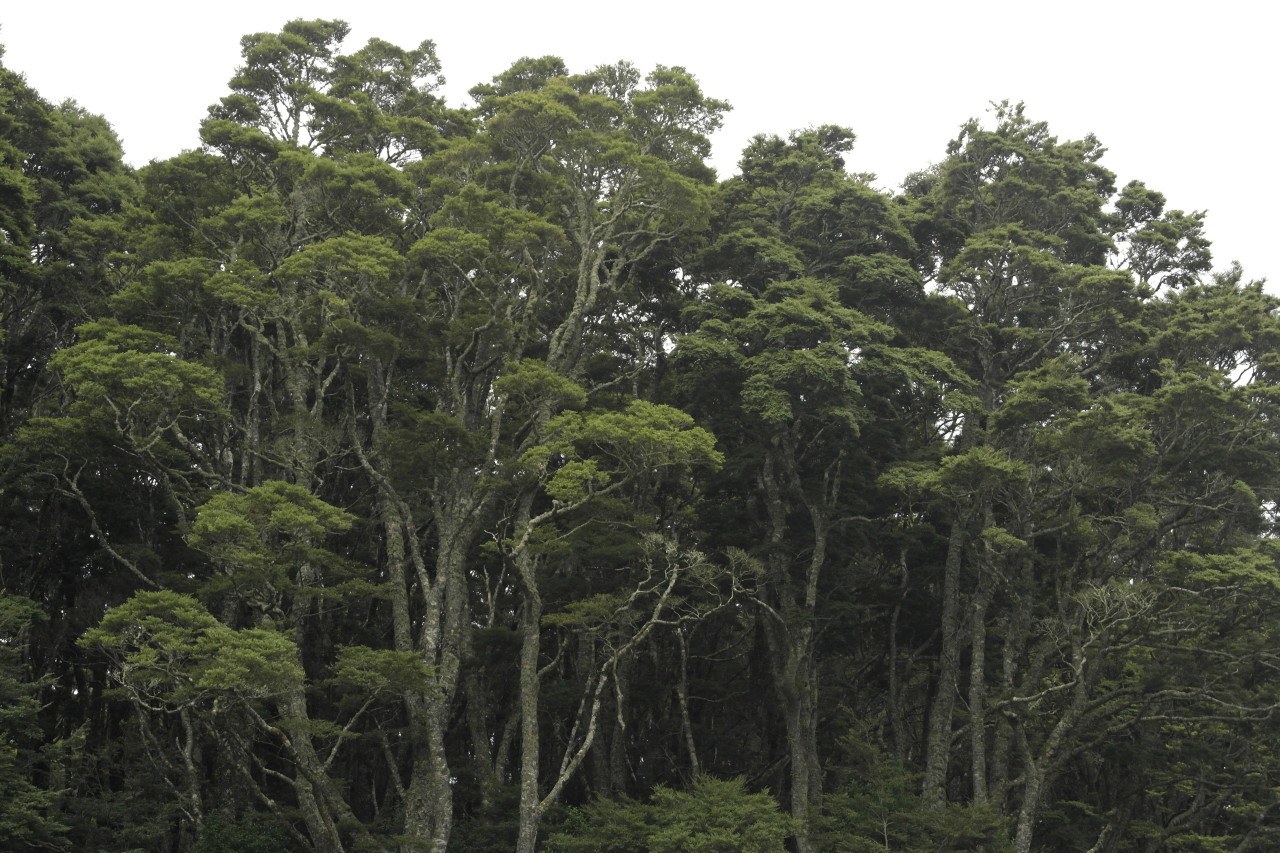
(612, 167)
(174, 658)
(367, 320)
(1048, 474)
(801, 392)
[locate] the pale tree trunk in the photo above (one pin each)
(428, 797)
(1039, 766)
(583, 733)
(322, 806)
(429, 806)
(897, 714)
(530, 679)
(801, 719)
(438, 640)
(530, 649)
(617, 741)
(249, 462)
(682, 696)
(794, 681)
(1037, 773)
(190, 762)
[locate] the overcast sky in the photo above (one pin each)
(1183, 96)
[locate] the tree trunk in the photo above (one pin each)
(429, 806)
(938, 735)
(682, 695)
(530, 650)
(978, 688)
(529, 678)
(322, 807)
(806, 771)
(791, 636)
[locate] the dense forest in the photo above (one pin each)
(388, 476)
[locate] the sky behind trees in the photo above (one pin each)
(1180, 96)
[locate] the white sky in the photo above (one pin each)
(1184, 96)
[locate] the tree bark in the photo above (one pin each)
(978, 688)
(938, 735)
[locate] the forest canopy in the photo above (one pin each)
(384, 475)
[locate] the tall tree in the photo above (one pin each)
(1050, 336)
(798, 382)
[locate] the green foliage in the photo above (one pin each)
(532, 386)
(342, 267)
(794, 212)
(381, 670)
(598, 449)
(265, 536)
(17, 615)
(27, 816)
(170, 653)
(880, 809)
(249, 833)
(599, 609)
(282, 73)
(17, 195)
(134, 380)
(713, 816)
(25, 820)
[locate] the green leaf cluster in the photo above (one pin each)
(713, 816)
(171, 653)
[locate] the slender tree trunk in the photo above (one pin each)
(1017, 627)
(801, 720)
(938, 735)
(249, 462)
(978, 688)
(682, 695)
(323, 807)
(529, 678)
(897, 716)
(619, 768)
(791, 639)
(429, 805)
(190, 762)
(1040, 766)
(530, 650)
